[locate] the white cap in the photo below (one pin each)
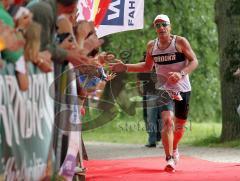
(21, 12)
(162, 17)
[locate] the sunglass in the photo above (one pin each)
(163, 24)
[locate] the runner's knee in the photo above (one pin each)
(168, 124)
(180, 125)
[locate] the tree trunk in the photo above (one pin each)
(228, 24)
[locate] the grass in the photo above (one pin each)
(202, 134)
(131, 130)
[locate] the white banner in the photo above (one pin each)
(121, 15)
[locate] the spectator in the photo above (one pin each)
(10, 55)
(151, 111)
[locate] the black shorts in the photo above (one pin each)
(180, 108)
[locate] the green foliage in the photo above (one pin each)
(195, 21)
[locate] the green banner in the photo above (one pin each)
(26, 120)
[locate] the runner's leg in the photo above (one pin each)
(167, 132)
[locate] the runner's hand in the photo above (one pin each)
(174, 77)
(118, 67)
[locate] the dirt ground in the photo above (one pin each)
(99, 150)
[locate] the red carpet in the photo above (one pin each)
(151, 169)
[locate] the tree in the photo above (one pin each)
(227, 18)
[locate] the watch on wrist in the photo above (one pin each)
(183, 73)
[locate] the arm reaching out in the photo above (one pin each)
(138, 67)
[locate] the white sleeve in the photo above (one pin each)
(21, 65)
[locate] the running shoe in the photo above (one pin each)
(151, 145)
(170, 167)
(176, 156)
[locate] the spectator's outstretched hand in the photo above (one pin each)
(78, 57)
(87, 41)
(105, 57)
(91, 43)
(44, 61)
(83, 29)
(111, 76)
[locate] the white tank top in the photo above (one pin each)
(170, 60)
